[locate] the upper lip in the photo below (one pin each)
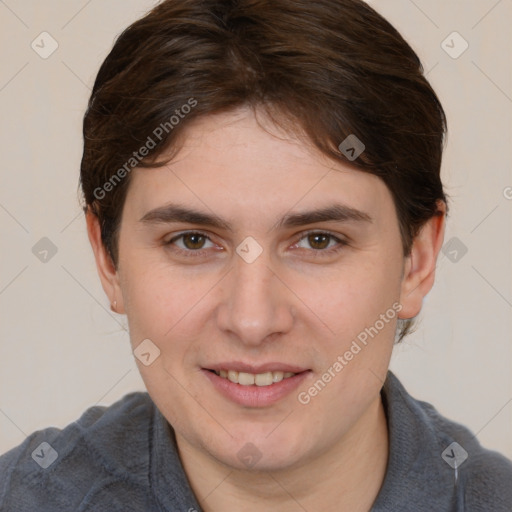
(256, 368)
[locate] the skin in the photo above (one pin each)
(295, 304)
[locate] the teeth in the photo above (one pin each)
(250, 379)
(264, 379)
(233, 376)
(245, 379)
(277, 376)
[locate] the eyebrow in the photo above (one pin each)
(175, 213)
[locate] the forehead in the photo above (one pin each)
(242, 167)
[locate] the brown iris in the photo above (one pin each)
(318, 240)
(193, 240)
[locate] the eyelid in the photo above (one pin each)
(341, 242)
(177, 236)
(323, 232)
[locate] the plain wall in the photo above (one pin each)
(61, 348)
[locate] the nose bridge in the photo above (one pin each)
(255, 303)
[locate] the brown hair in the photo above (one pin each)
(328, 69)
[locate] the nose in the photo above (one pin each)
(256, 304)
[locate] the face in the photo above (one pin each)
(287, 260)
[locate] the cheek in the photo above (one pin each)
(162, 302)
(354, 296)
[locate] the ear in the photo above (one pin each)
(109, 276)
(420, 265)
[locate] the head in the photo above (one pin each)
(283, 244)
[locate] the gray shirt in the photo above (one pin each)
(123, 458)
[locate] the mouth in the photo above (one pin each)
(255, 386)
(253, 379)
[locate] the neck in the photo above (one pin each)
(347, 477)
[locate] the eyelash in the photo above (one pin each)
(202, 252)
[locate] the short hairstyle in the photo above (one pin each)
(323, 69)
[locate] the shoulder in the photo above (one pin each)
(488, 481)
(484, 475)
(59, 467)
(482, 478)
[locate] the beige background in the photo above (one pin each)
(61, 348)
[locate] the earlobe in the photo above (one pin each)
(107, 272)
(420, 265)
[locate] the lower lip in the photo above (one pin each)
(255, 396)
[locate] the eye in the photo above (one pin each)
(322, 242)
(190, 243)
(195, 243)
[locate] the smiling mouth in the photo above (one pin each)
(252, 379)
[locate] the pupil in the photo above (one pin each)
(314, 240)
(195, 239)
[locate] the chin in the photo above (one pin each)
(260, 452)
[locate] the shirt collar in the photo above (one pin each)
(416, 473)
(168, 480)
